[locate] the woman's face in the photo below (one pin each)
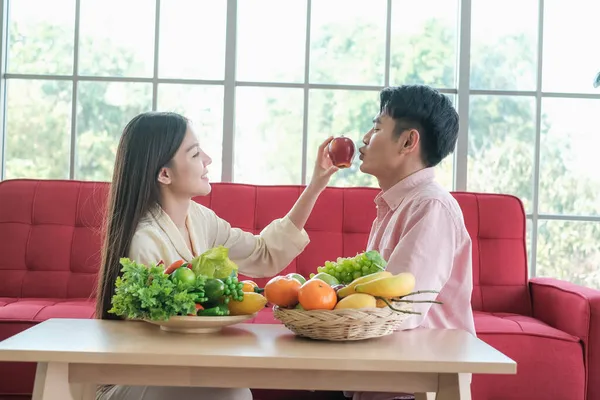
(187, 174)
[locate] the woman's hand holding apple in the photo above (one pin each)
(324, 167)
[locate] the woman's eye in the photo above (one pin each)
(196, 155)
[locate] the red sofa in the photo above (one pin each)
(49, 256)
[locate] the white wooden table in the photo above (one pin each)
(74, 355)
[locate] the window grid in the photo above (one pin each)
(229, 83)
(463, 98)
(537, 142)
(3, 63)
(156, 52)
(73, 152)
(306, 91)
(229, 92)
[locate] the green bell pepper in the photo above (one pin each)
(218, 311)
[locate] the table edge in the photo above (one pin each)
(503, 367)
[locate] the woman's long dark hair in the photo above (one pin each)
(149, 142)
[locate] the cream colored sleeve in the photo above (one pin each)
(262, 255)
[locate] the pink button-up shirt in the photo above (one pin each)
(420, 229)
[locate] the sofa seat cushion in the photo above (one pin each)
(6, 300)
(507, 324)
(539, 351)
(38, 310)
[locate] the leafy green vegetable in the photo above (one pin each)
(146, 292)
(214, 263)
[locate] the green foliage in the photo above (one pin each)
(501, 128)
(146, 292)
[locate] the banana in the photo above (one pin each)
(394, 286)
(349, 289)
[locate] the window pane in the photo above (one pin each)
(268, 136)
(571, 56)
(103, 110)
(117, 38)
(569, 178)
(348, 41)
(192, 39)
(424, 42)
(41, 27)
(444, 172)
(501, 145)
(336, 113)
(271, 48)
(569, 250)
(203, 105)
(38, 129)
(504, 55)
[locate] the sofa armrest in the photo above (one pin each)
(567, 307)
(575, 310)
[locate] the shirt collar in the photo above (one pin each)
(394, 195)
(167, 225)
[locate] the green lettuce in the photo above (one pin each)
(214, 263)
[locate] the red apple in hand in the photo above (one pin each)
(341, 151)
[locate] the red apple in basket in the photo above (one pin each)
(341, 151)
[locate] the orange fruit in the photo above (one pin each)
(316, 294)
(282, 291)
(248, 286)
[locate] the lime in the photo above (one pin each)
(185, 276)
(297, 277)
(328, 279)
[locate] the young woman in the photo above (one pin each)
(159, 168)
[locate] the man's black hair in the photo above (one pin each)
(425, 109)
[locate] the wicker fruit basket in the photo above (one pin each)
(343, 324)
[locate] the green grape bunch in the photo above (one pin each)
(347, 269)
(233, 289)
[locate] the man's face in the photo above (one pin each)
(380, 155)
(386, 154)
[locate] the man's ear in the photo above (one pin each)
(164, 176)
(410, 141)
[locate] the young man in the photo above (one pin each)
(419, 226)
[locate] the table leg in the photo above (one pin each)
(454, 387)
(52, 383)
